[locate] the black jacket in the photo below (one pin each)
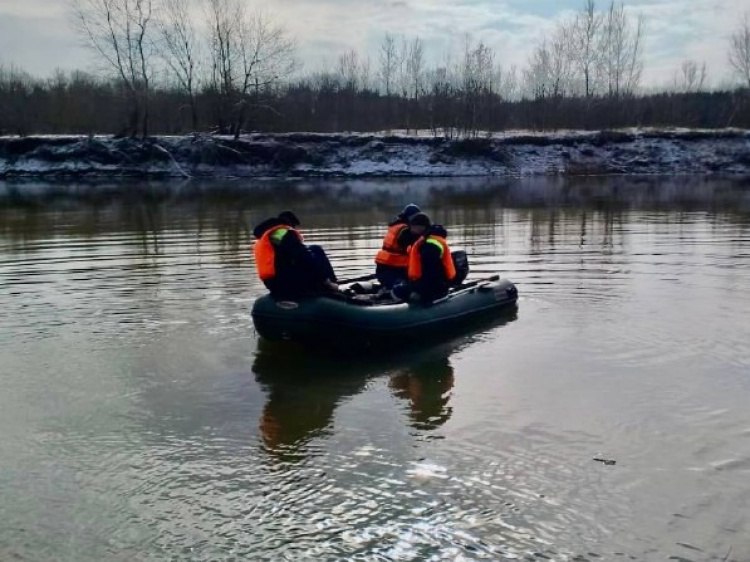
(297, 273)
(433, 284)
(407, 238)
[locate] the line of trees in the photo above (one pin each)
(239, 60)
(167, 68)
(592, 54)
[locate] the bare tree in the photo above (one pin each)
(119, 31)
(402, 72)
(365, 72)
(415, 66)
(477, 82)
(506, 83)
(440, 108)
(551, 67)
(222, 18)
(250, 55)
(536, 74)
(562, 60)
(415, 70)
(634, 60)
(179, 48)
(389, 63)
(402, 83)
(691, 77)
(621, 45)
(584, 37)
(348, 70)
(267, 58)
(739, 51)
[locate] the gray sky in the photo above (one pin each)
(37, 35)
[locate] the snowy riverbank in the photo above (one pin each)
(637, 152)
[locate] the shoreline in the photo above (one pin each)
(358, 155)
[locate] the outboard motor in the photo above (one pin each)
(461, 262)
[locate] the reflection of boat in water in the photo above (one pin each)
(304, 389)
(348, 322)
(303, 394)
(426, 386)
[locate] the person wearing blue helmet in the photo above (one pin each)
(392, 261)
(431, 270)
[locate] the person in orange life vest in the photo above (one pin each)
(392, 261)
(431, 269)
(287, 267)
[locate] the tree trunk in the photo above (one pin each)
(193, 112)
(145, 115)
(135, 113)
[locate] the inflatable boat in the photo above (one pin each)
(364, 321)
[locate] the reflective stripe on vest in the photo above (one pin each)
(265, 253)
(415, 260)
(278, 234)
(393, 254)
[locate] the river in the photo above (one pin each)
(142, 419)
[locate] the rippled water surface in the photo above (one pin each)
(141, 418)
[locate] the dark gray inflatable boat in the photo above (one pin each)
(362, 322)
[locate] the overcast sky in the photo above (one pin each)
(37, 34)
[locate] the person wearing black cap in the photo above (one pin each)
(288, 268)
(392, 261)
(431, 270)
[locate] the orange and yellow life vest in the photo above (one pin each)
(265, 253)
(415, 260)
(392, 254)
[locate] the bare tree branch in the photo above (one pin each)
(691, 77)
(584, 37)
(739, 51)
(118, 31)
(179, 48)
(620, 46)
(388, 63)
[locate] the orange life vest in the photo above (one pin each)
(392, 254)
(265, 253)
(415, 260)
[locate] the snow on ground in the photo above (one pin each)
(394, 153)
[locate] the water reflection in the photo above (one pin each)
(427, 388)
(304, 388)
(303, 392)
(131, 410)
(151, 205)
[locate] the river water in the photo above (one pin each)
(141, 418)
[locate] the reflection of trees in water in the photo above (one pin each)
(552, 228)
(146, 220)
(227, 210)
(542, 230)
